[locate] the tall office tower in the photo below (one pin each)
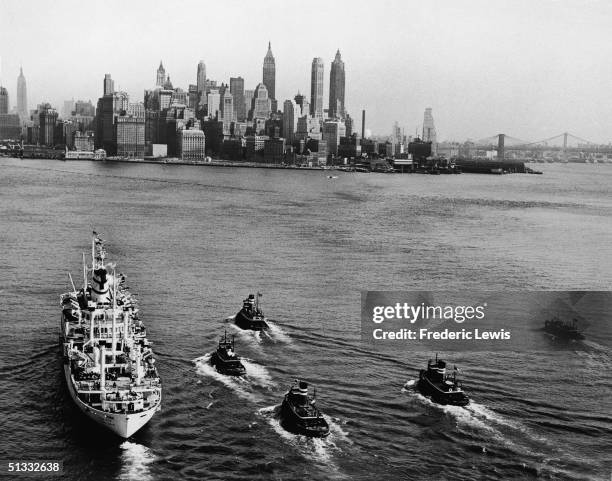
(291, 113)
(299, 101)
(249, 95)
(47, 119)
(237, 91)
(201, 83)
(214, 103)
(316, 88)
(269, 73)
(161, 75)
(429, 130)
(68, 108)
(336, 88)
(109, 85)
(227, 105)
(4, 101)
(22, 96)
(262, 105)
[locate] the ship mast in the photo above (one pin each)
(114, 336)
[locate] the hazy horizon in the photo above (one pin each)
(531, 70)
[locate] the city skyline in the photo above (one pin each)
(483, 69)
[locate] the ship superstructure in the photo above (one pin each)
(108, 361)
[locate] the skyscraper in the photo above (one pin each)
(269, 73)
(316, 88)
(429, 130)
(22, 96)
(161, 75)
(291, 113)
(4, 101)
(336, 88)
(237, 90)
(262, 105)
(201, 83)
(109, 85)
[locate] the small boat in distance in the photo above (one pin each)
(299, 415)
(251, 316)
(563, 330)
(440, 387)
(225, 359)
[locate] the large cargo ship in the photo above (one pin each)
(108, 362)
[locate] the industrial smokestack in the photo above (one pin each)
(363, 124)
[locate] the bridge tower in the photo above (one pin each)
(564, 151)
(501, 138)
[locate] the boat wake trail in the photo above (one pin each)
(256, 375)
(135, 460)
(252, 338)
(276, 334)
(319, 450)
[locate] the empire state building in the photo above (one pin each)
(22, 96)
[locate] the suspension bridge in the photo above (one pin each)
(562, 146)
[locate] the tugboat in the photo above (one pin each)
(299, 415)
(440, 387)
(563, 330)
(108, 362)
(225, 359)
(251, 316)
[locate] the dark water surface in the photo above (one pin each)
(194, 241)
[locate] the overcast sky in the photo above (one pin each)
(531, 69)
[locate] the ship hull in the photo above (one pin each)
(226, 368)
(293, 423)
(248, 323)
(430, 389)
(123, 425)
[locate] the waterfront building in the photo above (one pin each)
(269, 74)
(262, 104)
(429, 130)
(47, 121)
(201, 84)
(336, 88)
(4, 101)
(233, 149)
(84, 141)
(192, 144)
(332, 131)
(213, 132)
(237, 91)
(130, 135)
(109, 85)
(254, 146)
(10, 127)
(22, 96)
(214, 104)
(349, 147)
(161, 75)
(274, 150)
(316, 87)
(291, 113)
